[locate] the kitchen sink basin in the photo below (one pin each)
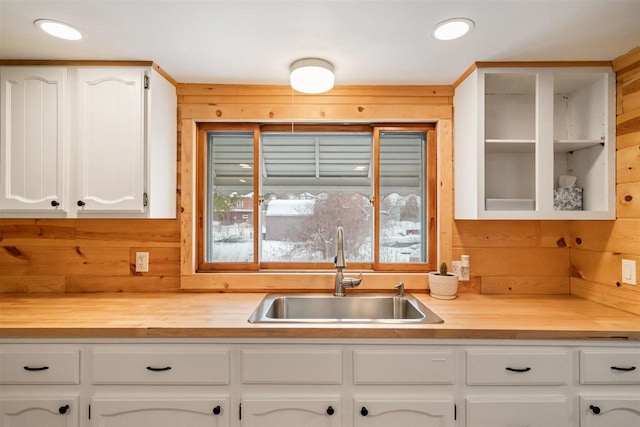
(326, 308)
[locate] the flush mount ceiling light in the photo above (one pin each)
(58, 29)
(452, 29)
(311, 75)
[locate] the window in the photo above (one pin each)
(270, 198)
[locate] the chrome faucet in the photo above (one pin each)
(342, 282)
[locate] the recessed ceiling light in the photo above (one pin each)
(311, 75)
(58, 29)
(452, 29)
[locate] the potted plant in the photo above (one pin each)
(442, 284)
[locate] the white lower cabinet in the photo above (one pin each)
(610, 411)
(406, 411)
(318, 383)
(156, 412)
(311, 411)
(518, 412)
(33, 411)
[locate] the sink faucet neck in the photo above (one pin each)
(340, 281)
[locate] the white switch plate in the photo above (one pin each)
(629, 271)
(142, 262)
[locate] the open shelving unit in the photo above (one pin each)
(518, 130)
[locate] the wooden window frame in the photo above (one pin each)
(430, 219)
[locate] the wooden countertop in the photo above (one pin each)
(208, 315)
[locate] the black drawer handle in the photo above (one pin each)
(330, 410)
(81, 203)
(594, 409)
(217, 410)
(629, 369)
(63, 409)
(166, 368)
(518, 369)
(364, 411)
(55, 203)
(39, 368)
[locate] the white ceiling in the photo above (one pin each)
(369, 42)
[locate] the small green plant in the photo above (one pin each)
(443, 269)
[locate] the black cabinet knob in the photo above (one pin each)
(364, 411)
(330, 410)
(80, 203)
(217, 410)
(55, 203)
(63, 409)
(594, 409)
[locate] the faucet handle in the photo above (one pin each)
(400, 288)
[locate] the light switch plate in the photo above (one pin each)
(629, 271)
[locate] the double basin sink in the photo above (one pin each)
(357, 308)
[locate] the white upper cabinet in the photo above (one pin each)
(88, 142)
(535, 143)
(33, 142)
(110, 139)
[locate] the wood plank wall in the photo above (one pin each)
(507, 257)
(198, 102)
(597, 247)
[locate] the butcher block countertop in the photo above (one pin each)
(210, 315)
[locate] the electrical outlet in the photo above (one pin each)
(629, 271)
(456, 266)
(142, 262)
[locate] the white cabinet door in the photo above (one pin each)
(407, 412)
(111, 140)
(291, 412)
(609, 412)
(166, 412)
(49, 412)
(518, 412)
(33, 139)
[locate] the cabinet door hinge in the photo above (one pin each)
(145, 199)
(146, 82)
(455, 412)
(240, 411)
(89, 411)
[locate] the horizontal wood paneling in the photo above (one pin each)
(599, 246)
(516, 257)
(87, 255)
(368, 104)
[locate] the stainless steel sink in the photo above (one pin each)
(326, 308)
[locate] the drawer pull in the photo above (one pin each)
(63, 409)
(595, 409)
(330, 410)
(39, 368)
(217, 410)
(166, 368)
(518, 369)
(364, 411)
(629, 369)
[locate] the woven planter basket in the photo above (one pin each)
(443, 287)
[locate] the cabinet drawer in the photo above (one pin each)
(525, 411)
(160, 366)
(610, 367)
(42, 367)
(291, 366)
(403, 367)
(504, 367)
